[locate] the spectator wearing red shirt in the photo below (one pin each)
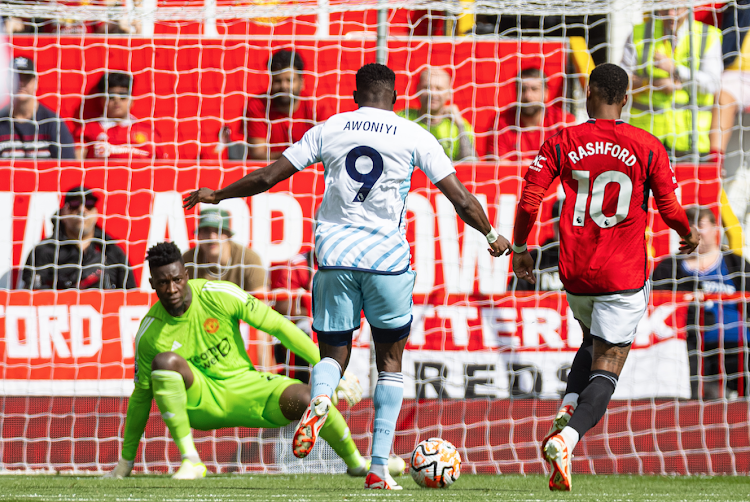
(520, 131)
(275, 121)
(115, 133)
(294, 277)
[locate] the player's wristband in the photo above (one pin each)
(492, 236)
(518, 249)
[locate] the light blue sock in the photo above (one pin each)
(389, 394)
(325, 377)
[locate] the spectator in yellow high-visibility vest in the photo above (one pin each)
(443, 119)
(657, 56)
(734, 96)
(735, 82)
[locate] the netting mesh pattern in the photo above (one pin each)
(493, 437)
(101, 10)
(484, 367)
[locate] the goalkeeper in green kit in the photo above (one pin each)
(190, 358)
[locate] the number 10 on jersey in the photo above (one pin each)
(596, 209)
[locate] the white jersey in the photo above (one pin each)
(368, 156)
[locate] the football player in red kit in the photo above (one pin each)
(607, 169)
(116, 134)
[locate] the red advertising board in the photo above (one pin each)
(140, 204)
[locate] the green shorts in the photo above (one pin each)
(250, 399)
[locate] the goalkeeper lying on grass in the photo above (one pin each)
(190, 358)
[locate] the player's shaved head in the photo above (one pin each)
(609, 82)
(162, 254)
(376, 78)
(376, 86)
(607, 92)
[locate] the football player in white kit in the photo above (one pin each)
(368, 157)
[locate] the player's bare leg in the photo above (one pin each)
(606, 367)
(387, 400)
(324, 380)
(171, 381)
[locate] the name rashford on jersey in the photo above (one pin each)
(607, 169)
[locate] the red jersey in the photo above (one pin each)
(511, 140)
(295, 275)
(278, 129)
(127, 139)
(606, 168)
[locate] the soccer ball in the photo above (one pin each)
(435, 463)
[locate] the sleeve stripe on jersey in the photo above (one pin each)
(145, 324)
(226, 288)
(557, 151)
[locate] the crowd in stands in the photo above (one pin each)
(28, 129)
(78, 254)
(438, 115)
(103, 127)
(125, 25)
(665, 94)
(107, 129)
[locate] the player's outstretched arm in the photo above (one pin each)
(526, 213)
(663, 184)
(254, 183)
(523, 266)
(139, 407)
(674, 216)
(470, 210)
(262, 317)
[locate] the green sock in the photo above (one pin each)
(336, 433)
(171, 397)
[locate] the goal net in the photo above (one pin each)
(486, 362)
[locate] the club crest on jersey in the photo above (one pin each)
(536, 165)
(211, 325)
(140, 138)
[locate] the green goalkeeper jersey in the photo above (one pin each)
(208, 336)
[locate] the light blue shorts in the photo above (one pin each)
(339, 296)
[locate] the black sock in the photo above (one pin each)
(593, 401)
(580, 370)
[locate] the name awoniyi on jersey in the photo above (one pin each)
(369, 156)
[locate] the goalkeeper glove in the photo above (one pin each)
(122, 470)
(349, 388)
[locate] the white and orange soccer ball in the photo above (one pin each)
(435, 463)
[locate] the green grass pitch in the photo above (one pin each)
(315, 487)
